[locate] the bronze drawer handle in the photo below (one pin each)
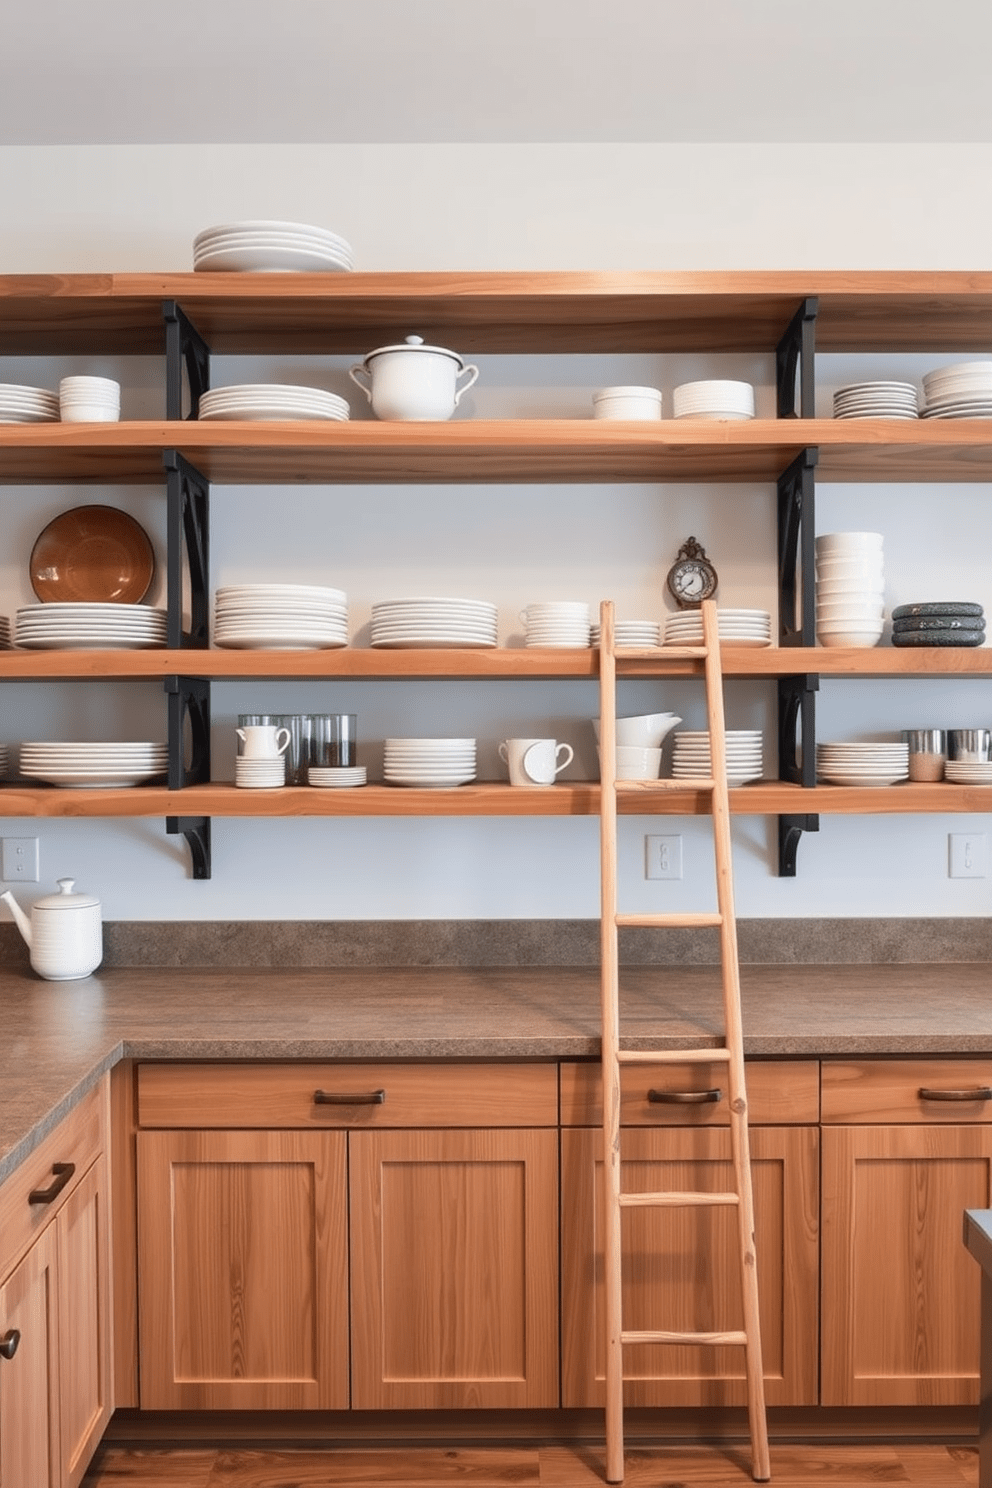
(979, 1093)
(684, 1097)
(8, 1343)
(342, 1098)
(63, 1172)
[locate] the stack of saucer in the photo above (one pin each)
(430, 764)
(961, 391)
(968, 772)
(744, 750)
(266, 401)
(938, 623)
(280, 617)
(863, 764)
(557, 622)
(850, 588)
(876, 400)
(89, 400)
(714, 400)
(433, 622)
(634, 633)
(336, 776)
(106, 764)
(27, 405)
(259, 772)
(268, 247)
(734, 627)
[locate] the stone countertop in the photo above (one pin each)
(59, 1037)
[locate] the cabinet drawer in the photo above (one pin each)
(921, 1090)
(346, 1095)
(778, 1094)
(77, 1141)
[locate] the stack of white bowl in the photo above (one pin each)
(850, 588)
(627, 403)
(27, 405)
(634, 633)
(963, 390)
(429, 764)
(714, 399)
(89, 400)
(557, 622)
(270, 247)
(691, 757)
(280, 617)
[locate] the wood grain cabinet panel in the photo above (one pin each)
(454, 1269)
(85, 1355)
(29, 1405)
(242, 1288)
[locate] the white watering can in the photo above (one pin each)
(64, 933)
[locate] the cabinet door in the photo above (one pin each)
(454, 1269)
(901, 1294)
(29, 1426)
(242, 1270)
(681, 1267)
(85, 1378)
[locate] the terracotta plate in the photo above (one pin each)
(92, 553)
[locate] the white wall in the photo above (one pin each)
(521, 207)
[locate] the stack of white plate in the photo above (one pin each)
(336, 776)
(876, 400)
(257, 772)
(557, 622)
(744, 749)
(433, 621)
(862, 764)
(963, 390)
(734, 627)
(714, 399)
(430, 764)
(271, 400)
(280, 617)
(107, 765)
(270, 247)
(88, 625)
(850, 588)
(634, 633)
(968, 772)
(27, 405)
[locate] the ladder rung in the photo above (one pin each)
(659, 653)
(666, 785)
(658, 1337)
(674, 1056)
(676, 1200)
(674, 921)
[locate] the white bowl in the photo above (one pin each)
(851, 569)
(836, 543)
(833, 588)
(850, 609)
(867, 636)
(644, 730)
(637, 764)
(627, 403)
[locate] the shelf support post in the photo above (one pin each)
(796, 534)
(188, 533)
(184, 346)
(797, 348)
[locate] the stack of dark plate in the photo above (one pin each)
(938, 623)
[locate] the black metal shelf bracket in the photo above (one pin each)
(790, 831)
(188, 536)
(189, 716)
(797, 728)
(796, 551)
(184, 348)
(797, 350)
(196, 830)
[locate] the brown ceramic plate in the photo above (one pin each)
(92, 553)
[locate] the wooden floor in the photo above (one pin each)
(533, 1467)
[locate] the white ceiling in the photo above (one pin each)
(386, 71)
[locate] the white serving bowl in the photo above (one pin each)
(643, 730)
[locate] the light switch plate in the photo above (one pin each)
(19, 860)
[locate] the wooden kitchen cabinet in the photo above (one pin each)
(900, 1294)
(29, 1396)
(681, 1267)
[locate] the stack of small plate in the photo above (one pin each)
(430, 764)
(259, 772)
(433, 621)
(939, 623)
(270, 247)
(963, 390)
(877, 400)
(108, 765)
(863, 764)
(280, 617)
(714, 400)
(734, 627)
(744, 751)
(271, 401)
(968, 772)
(634, 633)
(27, 405)
(336, 776)
(85, 625)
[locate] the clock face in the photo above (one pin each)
(691, 581)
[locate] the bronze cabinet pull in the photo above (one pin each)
(63, 1172)
(978, 1093)
(8, 1343)
(342, 1098)
(684, 1097)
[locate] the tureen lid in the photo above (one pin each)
(416, 343)
(66, 899)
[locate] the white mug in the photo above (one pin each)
(534, 761)
(263, 740)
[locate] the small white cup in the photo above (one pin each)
(263, 741)
(534, 761)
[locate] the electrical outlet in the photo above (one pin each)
(20, 861)
(663, 857)
(967, 855)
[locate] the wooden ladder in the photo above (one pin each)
(731, 1053)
